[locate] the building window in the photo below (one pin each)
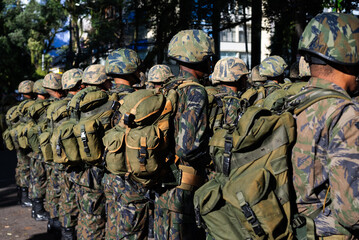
(243, 56)
(228, 35)
(241, 35)
(229, 54)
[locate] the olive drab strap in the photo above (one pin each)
(227, 155)
(142, 154)
(85, 140)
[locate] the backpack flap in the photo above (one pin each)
(23, 130)
(89, 135)
(92, 100)
(34, 133)
(114, 154)
(8, 140)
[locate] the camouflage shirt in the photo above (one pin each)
(326, 154)
(191, 131)
(122, 90)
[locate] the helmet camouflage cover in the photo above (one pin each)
(38, 88)
(229, 70)
(333, 37)
(95, 74)
(160, 73)
(304, 69)
(26, 86)
(191, 46)
(52, 81)
(122, 61)
(71, 77)
(272, 66)
(255, 77)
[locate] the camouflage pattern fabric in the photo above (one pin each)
(37, 188)
(134, 206)
(255, 76)
(26, 86)
(325, 155)
(191, 46)
(272, 66)
(122, 90)
(95, 74)
(68, 209)
(231, 106)
(22, 170)
(332, 36)
(52, 81)
(229, 69)
(122, 61)
(70, 78)
(38, 88)
(53, 188)
(91, 201)
(160, 73)
(191, 130)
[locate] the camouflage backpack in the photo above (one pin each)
(138, 145)
(251, 196)
(80, 137)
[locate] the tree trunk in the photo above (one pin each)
(256, 32)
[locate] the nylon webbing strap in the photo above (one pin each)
(85, 141)
(59, 145)
(142, 154)
(228, 144)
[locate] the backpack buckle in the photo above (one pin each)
(128, 119)
(84, 141)
(227, 154)
(298, 221)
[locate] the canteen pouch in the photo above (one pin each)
(88, 134)
(114, 155)
(8, 140)
(64, 144)
(45, 146)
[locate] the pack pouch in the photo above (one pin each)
(14, 133)
(34, 133)
(64, 144)
(89, 133)
(24, 128)
(45, 146)
(8, 140)
(114, 155)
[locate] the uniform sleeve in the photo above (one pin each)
(193, 135)
(343, 164)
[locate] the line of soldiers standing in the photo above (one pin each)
(87, 200)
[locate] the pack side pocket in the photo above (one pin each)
(114, 155)
(8, 140)
(45, 146)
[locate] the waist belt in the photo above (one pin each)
(189, 179)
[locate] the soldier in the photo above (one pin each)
(68, 217)
(325, 156)
(122, 65)
(37, 164)
(231, 73)
(174, 213)
(52, 84)
(304, 70)
(159, 75)
(22, 171)
(89, 175)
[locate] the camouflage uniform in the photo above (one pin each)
(126, 204)
(325, 165)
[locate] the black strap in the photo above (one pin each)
(85, 141)
(228, 144)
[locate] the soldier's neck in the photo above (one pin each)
(119, 81)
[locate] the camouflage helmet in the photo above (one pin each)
(52, 81)
(272, 66)
(304, 69)
(255, 76)
(26, 86)
(38, 88)
(294, 70)
(95, 74)
(160, 73)
(122, 61)
(71, 77)
(191, 46)
(229, 70)
(333, 37)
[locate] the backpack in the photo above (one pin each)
(138, 146)
(251, 194)
(12, 120)
(25, 123)
(80, 137)
(256, 95)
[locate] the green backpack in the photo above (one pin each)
(251, 194)
(12, 120)
(138, 145)
(25, 123)
(80, 137)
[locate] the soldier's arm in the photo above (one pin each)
(343, 153)
(192, 138)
